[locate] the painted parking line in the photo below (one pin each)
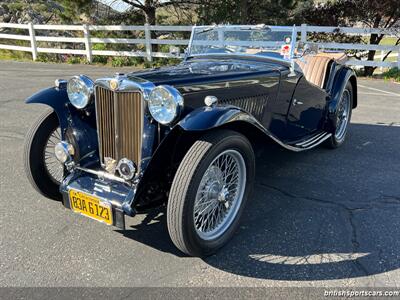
(377, 94)
(378, 90)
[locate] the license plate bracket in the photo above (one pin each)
(91, 206)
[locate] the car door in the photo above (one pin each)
(306, 110)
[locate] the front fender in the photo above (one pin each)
(57, 99)
(78, 127)
(205, 118)
(160, 171)
(341, 78)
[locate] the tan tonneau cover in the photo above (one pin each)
(314, 67)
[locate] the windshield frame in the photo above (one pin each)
(288, 29)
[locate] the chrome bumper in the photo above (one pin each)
(120, 195)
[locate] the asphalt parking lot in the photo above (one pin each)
(318, 218)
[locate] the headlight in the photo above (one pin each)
(165, 104)
(80, 91)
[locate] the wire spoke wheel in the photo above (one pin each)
(43, 170)
(209, 192)
(219, 195)
(54, 168)
(343, 115)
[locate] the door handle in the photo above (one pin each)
(295, 102)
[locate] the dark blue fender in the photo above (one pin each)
(177, 141)
(343, 76)
(205, 118)
(57, 99)
(78, 127)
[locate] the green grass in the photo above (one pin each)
(15, 55)
(116, 61)
(393, 73)
(387, 41)
(389, 58)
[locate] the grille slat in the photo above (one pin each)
(120, 124)
(253, 104)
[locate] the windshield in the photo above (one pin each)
(274, 41)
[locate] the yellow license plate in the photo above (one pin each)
(90, 206)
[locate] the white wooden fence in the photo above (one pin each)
(88, 40)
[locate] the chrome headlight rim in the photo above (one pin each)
(174, 96)
(82, 97)
(64, 152)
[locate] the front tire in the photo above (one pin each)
(43, 170)
(209, 192)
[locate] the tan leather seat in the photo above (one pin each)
(315, 67)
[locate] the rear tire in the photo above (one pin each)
(345, 107)
(187, 221)
(34, 156)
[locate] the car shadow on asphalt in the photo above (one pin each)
(316, 215)
(152, 231)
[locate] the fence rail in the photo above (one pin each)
(88, 40)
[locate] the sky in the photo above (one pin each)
(116, 4)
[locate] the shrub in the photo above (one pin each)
(49, 58)
(119, 61)
(99, 59)
(74, 60)
(393, 73)
(147, 65)
(126, 61)
(99, 47)
(136, 61)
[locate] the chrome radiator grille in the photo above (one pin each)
(119, 124)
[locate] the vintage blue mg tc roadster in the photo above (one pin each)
(183, 136)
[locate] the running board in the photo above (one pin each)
(313, 141)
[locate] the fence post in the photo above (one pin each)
(88, 44)
(147, 35)
(398, 60)
(33, 40)
(221, 37)
(303, 37)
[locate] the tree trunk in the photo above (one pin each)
(244, 11)
(368, 71)
(150, 15)
(373, 40)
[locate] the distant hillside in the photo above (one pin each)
(48, 12)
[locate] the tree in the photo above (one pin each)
(271, 12)
(73, 10)
(23, 11)
(369, 13)
(149, 7)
